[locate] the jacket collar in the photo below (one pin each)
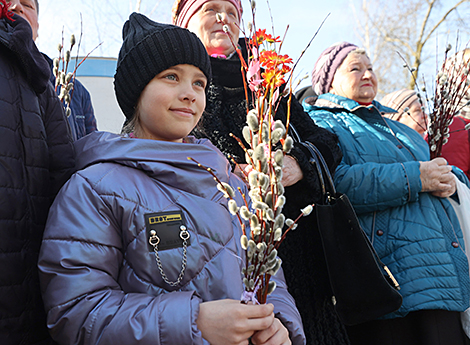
(329, 100)
(166, 162)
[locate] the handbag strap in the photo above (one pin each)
(329, 191)
(294, 134)
(317, 162)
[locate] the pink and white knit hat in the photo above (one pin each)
(183, 10)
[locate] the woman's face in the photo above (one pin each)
(355, 79)
(28, 10)
(210, 31)
(416, 118)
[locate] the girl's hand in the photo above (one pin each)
(276, 334)
(228, 322)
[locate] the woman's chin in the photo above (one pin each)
(367, 97)
(223, 48)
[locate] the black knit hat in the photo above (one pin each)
(148, 49)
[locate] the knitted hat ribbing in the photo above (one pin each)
(148, 49)
(327, 64)
(399, 100)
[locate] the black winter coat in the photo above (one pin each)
(302, 254)
(36, 158)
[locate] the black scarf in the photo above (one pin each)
(16, 37)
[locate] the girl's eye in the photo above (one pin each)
(200, 83)
(171, 76)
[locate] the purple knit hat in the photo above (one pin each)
(327, 64)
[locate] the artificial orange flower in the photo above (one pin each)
(285, 69)
(262, 36)
(271, 59)
(273, 78)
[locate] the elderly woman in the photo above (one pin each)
(400, 199)
(226, 113)
(409, 109)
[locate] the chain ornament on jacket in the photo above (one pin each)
(154, 240)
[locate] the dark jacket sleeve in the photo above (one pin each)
(307, 190)
(86, 107)
(90, 120)
(59, 140)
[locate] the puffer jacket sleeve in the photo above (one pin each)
(285, 309)
(323, 139)
(375, 187)
(79, 266)
(59, 139)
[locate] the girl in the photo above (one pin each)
(140, 247)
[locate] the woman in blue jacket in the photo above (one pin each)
(400, 198)
(140, 247)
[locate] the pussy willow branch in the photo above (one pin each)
(209, 170)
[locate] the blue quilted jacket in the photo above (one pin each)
(416, 234)
(100, 280)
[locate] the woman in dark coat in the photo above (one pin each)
(226, 113)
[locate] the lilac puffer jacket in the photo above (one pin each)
(100, 280)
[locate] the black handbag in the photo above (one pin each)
(363, 287)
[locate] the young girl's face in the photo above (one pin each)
(171, 104)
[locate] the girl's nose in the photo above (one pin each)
(188, 94)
